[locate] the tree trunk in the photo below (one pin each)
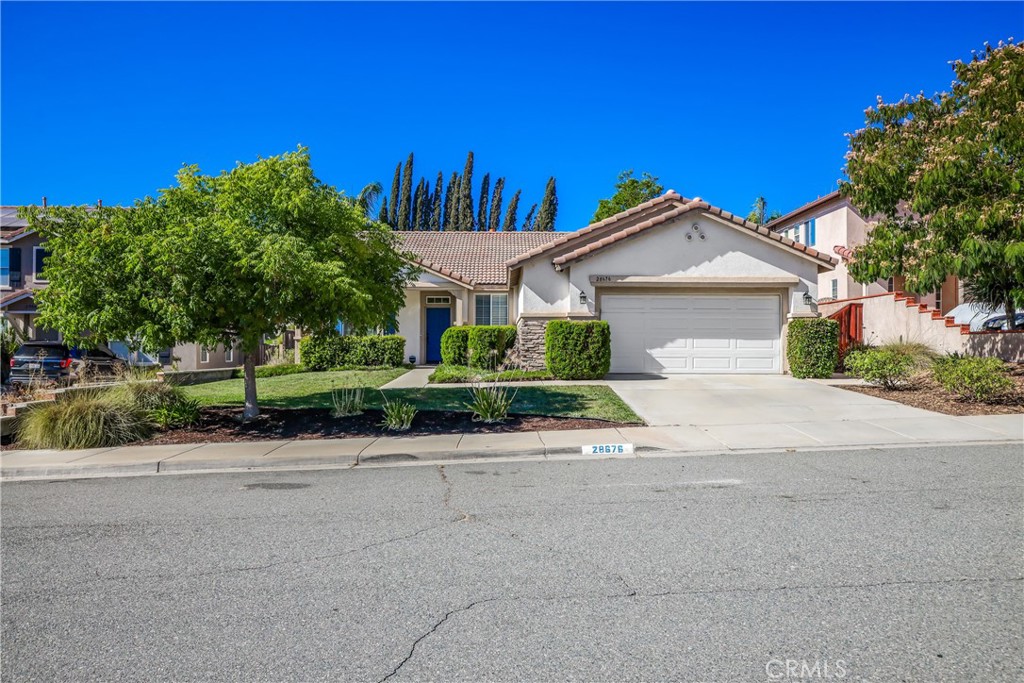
(1011, 316)
(252, 409)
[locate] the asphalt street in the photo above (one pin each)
(870, 565)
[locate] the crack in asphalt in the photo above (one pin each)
(428, 632)
(632, 593)
(233, 570)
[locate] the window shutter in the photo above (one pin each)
(15, 259)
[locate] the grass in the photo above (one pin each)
(313, 390)
(301, 390)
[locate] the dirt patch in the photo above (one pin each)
(925, 393)
(219, 425)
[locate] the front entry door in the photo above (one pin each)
(438, 320)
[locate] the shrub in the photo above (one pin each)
(347, 402)
(578, 350)
(455, 346)
(487, 345)
(886, 367)
(184, 413)
(84, 419)
(491, 403)
(972, 379)
(398, 415)
(812, 347)
(325, 352)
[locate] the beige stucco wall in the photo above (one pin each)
(664, 251)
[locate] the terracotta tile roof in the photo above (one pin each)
(799, 214)
(643, 217)
(845, 252)
(11, 297)
(474, 258)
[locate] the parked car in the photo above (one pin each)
(982, 317)
(99, 362)
(41, 361)
(999, 322)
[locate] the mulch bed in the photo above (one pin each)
(925, 393)
(220, 425)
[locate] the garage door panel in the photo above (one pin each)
(673, 334)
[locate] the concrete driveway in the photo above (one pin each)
(771, 411)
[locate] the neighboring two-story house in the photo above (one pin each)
(831, 224)
(22, 273)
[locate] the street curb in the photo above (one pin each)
(562, 453)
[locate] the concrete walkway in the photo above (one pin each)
(686, 439)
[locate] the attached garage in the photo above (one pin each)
(694, 333)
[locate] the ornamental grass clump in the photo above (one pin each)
(347, 402)
(84, 419)
(490, 403)
(398, 415)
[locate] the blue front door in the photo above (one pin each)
(438, 320)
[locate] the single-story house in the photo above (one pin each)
(685, 286)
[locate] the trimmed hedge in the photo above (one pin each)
(813, 347)
(455, 346)
(487, 345)
(333, 351)
(578, 349)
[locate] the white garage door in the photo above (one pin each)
(674, 334)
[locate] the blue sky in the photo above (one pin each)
(722, 101)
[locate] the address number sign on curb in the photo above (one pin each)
(608, 449)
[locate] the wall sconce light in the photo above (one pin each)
(808, 300)
(583, 298)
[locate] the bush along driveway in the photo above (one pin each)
(301, 406)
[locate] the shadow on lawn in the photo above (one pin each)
(582, 401)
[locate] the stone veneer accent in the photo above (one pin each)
(529, 349)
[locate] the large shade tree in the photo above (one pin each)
(944, 176)
(629, 192)
(218, 260)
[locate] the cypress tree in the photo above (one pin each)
(382, 215)
(435, 208)
(510, 215)
(465, 212)
(450, 203)
(417, 206)
(481, 207)
(405, 207)
(393, 211)
(548, 208)
(528, 222)
(495, 220)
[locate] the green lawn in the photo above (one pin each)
(313, 390)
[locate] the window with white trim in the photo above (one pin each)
(229, 354)
(492, 309)
(835, 288)
(204, 354)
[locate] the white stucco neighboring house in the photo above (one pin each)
(685, 286)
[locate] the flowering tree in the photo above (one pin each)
(944, 176)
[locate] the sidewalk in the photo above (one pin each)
(686, 439)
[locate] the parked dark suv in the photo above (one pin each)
(41, 362)
(54, 362)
